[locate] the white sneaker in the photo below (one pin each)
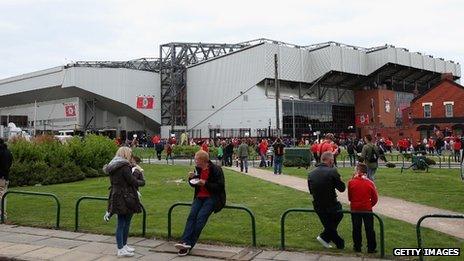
(107, 216)
(322, 241)
(124, 253)
(129, 249)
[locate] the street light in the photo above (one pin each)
(293, 118)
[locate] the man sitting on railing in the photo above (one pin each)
(209, 196)
(362, 195)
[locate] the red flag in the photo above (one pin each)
(362, 119)
(144, 102)
(70, 110)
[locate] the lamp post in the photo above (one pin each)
(293, 119)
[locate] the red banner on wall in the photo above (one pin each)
(362, 119)
(144, 102)
(70, 110)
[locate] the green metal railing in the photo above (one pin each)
(308, 210)
(252, 216)
(31, 193)
(418, 227)
(78, 202)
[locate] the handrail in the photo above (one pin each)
(308, 210)
(418, 226)
(252, 216)
(58, 204)
(78, 202)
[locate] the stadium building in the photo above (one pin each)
(256, 88)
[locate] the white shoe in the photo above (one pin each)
(128, 248)
(322, 241)
(107, 216)
(124, 253)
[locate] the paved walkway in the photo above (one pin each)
(26, 243)
(391, 207)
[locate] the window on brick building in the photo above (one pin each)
(448, 109)
(427, 111)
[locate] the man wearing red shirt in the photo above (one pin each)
(209, 197)
(362, 195)
(314, 150)
(262, 152)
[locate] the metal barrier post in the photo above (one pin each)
(78, 202)
(252, 216)
(58, 204)
(418, 226)
(449, 162)
(284, 215)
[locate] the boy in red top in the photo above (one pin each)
(362, 195)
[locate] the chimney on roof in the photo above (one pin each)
(447, 76)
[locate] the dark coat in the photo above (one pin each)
(6, 159)
(215, 186)
(123, 198)
(322, 183)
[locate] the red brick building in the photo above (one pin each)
(439, 108)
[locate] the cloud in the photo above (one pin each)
(41, 34)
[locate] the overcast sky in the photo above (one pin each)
(39, 34)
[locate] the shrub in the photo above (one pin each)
(45, 160)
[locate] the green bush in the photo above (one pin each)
(45, 160)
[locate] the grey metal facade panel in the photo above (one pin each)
(215, 83)
(416, 60)
(320, 63)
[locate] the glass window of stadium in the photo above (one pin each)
(323, 117)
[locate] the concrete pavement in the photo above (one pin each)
(27, 243)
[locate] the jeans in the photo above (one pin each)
(278, 164)
(357, 219)
(352, 159)
(3, 190)
(122, 230)
(228, 159)
(330, 218)
(201, 209)
(244, 164)
(371, 174)
(263, 160)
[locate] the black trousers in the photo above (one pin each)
(330, 218)
(357, 219)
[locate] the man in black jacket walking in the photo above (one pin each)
(6, 159)
(322, 183)
(209, 197)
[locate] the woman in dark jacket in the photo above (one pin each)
(123, 199)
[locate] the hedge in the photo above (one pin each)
(46, 160)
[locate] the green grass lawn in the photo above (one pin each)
(441, 188)
(265, 199)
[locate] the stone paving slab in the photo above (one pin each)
(18, 249)
(5, 244)
(59, 242)
(21, 238)
(268, 254)
(149, 243)
(94, 238)
(98, 248)
(168, 247)
(285, 255)
(44, 253)
(66, 234)
(159, 257)
(77, 255)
